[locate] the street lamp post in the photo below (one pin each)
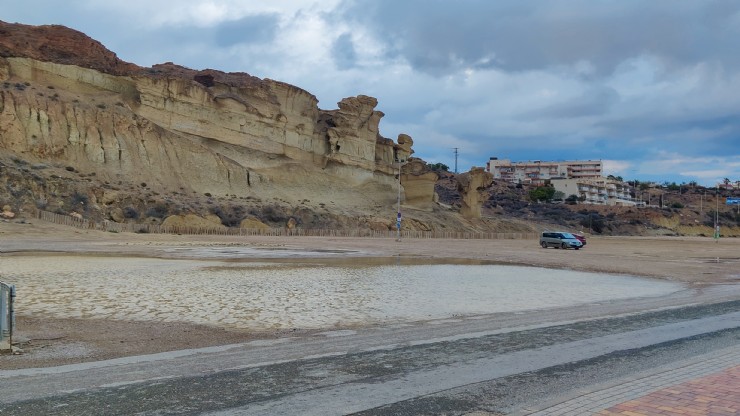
(716, 216)
(398, 216)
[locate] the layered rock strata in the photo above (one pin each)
(472, 187)
(64, 98)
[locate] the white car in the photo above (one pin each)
(559, 240)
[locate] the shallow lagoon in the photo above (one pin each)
(274, 294)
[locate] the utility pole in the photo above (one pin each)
(398, 215)
(456, 153)
(716, 215)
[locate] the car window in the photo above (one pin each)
(568, 235)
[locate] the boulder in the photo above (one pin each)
(252, 223)
(381, 224)
(117, 215)
(292, 223)
(192, 221)
(110, 197)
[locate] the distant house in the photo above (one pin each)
(600, 191)
(537, 172)
(729, 185)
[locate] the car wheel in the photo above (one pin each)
(543, 244)
(563, 246)
(578, 248)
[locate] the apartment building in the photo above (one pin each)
(536, 172)
(601, 190)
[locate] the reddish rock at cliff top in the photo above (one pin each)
(61, 45)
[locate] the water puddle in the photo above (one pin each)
(246, 252)
(305, 294)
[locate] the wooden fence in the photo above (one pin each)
(116, 227)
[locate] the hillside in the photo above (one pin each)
(84, 133)
(686, 211)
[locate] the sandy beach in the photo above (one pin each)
(698, 263)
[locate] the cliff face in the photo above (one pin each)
(65, 99)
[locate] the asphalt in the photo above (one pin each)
(476, 366)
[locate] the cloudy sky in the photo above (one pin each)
(651, 88)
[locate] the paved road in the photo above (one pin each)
(492, 364)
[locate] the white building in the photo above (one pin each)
(537, 172)
(601, 190)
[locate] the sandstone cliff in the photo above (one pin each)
(68, 102)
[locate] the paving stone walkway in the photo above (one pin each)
(706, 385)
(717, 394)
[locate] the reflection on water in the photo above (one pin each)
(288, 295)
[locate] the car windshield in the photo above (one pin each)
(568, 235)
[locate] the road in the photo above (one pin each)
(491, 364)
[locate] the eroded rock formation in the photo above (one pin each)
(66, 98)
(472, 186)
(418, 184)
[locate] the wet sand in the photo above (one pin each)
(695, 262)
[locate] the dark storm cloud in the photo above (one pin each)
(700, 136)
(343, 52)
(595, 102)
(258, 29)
(441, 36)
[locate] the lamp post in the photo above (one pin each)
(716, 216)
(398, 209)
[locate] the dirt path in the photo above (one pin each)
(699, 262)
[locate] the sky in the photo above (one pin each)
(650, 88)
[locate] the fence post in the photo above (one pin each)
(273, 232)
(7, 316)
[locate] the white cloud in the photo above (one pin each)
(206, 13)
(709, 176)
(617, 167)
(707, 170)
